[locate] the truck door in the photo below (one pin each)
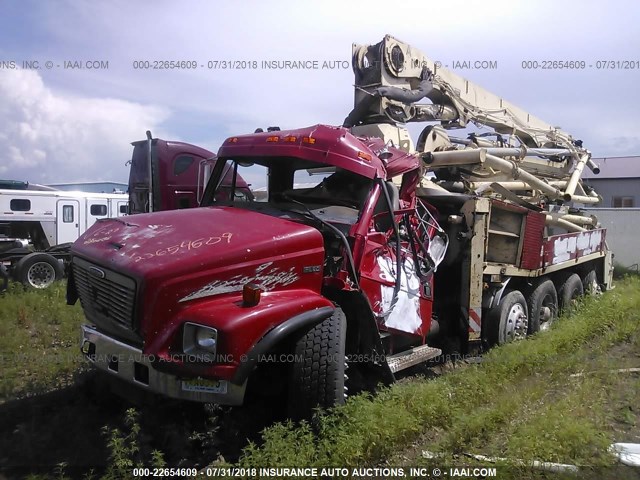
(403, 298)
(403, 305)
(182, 184)
(67, 221)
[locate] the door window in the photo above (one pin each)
(67, 213)
(182, 164)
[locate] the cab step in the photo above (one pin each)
(414, 356)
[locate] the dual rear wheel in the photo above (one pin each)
(517, 316)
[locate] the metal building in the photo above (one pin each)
(95, 187)
(618, 182)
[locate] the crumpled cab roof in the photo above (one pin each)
(325, 144)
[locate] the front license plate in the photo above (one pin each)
(204, 385)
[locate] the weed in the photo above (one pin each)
(520, 403)
(128, 449)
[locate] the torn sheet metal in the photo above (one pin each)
(404, 314)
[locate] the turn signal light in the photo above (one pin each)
(290, 138)
(251, 295)
(273, 138)
(364, 156)
(308, 140)
(232, 140)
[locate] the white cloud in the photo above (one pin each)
(48, 136)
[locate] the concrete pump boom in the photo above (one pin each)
(391, 77)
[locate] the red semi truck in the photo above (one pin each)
(353, 265)
(170, 175)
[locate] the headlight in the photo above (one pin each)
(206, 338)
(200, 341)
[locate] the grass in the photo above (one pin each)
(38, 340)
(520, 403)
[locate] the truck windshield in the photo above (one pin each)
(280, 180)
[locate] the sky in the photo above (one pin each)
(64, 124)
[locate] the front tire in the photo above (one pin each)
(318, 372)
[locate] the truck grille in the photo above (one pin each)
(106, 296)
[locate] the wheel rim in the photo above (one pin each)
(516, 324)
(41, 275)
(593, 288)
(346, 377)
(547, 312)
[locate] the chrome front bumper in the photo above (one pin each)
(131, 365)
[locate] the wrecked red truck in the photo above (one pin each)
(286, 292)
(186, 303)
(357, 254)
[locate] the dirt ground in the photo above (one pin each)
(64, 430)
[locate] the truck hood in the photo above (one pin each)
(192, 242)
(179, 258)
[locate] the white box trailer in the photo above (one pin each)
(37, 228)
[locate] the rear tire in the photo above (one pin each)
(590, 284)
(318, 373)
(543, 307)
(569, 292)
(4, 278)
(507, 321)
(38, 270)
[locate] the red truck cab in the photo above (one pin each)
(332, 267)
